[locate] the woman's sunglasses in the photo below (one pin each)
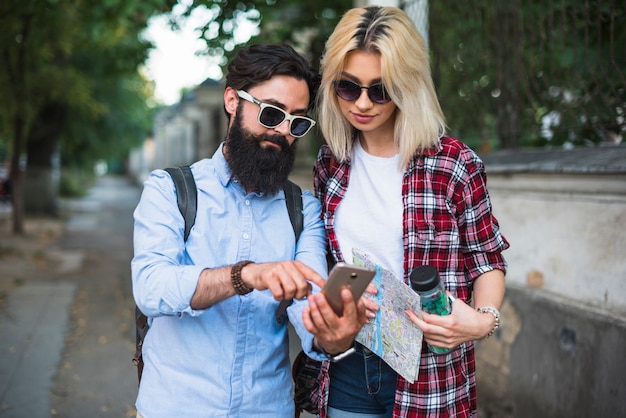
(350, 91)
(271, 116)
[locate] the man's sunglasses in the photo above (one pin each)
(350, 91)
(271, 116)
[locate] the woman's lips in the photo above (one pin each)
(362, 118)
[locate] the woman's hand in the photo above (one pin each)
(371, 307)
(448, 331)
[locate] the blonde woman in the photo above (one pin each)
(392, 184)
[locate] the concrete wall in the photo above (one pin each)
(565, 234)
(560, 349)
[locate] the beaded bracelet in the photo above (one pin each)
(235, 277)
(496, 314)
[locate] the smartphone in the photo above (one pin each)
(354, 277)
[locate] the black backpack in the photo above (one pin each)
(187, 196)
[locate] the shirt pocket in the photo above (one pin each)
(441, 234)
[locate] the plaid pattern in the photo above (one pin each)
(305, 372)
(448, 223)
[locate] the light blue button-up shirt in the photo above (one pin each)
(232, 359)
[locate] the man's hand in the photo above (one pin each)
(335, 334)
(285, 279)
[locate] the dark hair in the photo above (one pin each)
(257, 63)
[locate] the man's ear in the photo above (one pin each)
(231, 100)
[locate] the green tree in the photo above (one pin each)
(506, 69)
(69, 79)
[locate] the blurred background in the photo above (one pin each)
(116, 88)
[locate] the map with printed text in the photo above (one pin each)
(391, 335)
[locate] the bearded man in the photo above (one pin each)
(215, 348)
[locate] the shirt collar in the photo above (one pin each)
(221, 166)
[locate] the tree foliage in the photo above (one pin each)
(304, 24)
(514, 74)
(69, 82)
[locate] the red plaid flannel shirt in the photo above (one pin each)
(448, 223)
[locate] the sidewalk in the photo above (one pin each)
(34, 308)
(66, 310)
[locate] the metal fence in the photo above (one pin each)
(513, 73)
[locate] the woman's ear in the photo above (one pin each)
(231, 100)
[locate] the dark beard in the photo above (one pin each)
(258, 169)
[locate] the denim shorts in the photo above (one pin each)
(362, 384)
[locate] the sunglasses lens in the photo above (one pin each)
(351, 91)
(377, 94)
(347, 90)
(300, 126)
(271, 116)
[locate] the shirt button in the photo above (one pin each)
(245, 236)
(247, 202)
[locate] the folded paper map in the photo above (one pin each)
(391, 335)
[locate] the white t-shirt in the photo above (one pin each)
(369, 217)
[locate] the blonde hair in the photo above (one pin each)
(405, 73)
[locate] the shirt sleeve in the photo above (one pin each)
(162, 284)
(482, 241)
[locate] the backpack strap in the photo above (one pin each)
(293, 198)
(186, 194)
(141, 329)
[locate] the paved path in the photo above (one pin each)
(31, 346)
(66, 328)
